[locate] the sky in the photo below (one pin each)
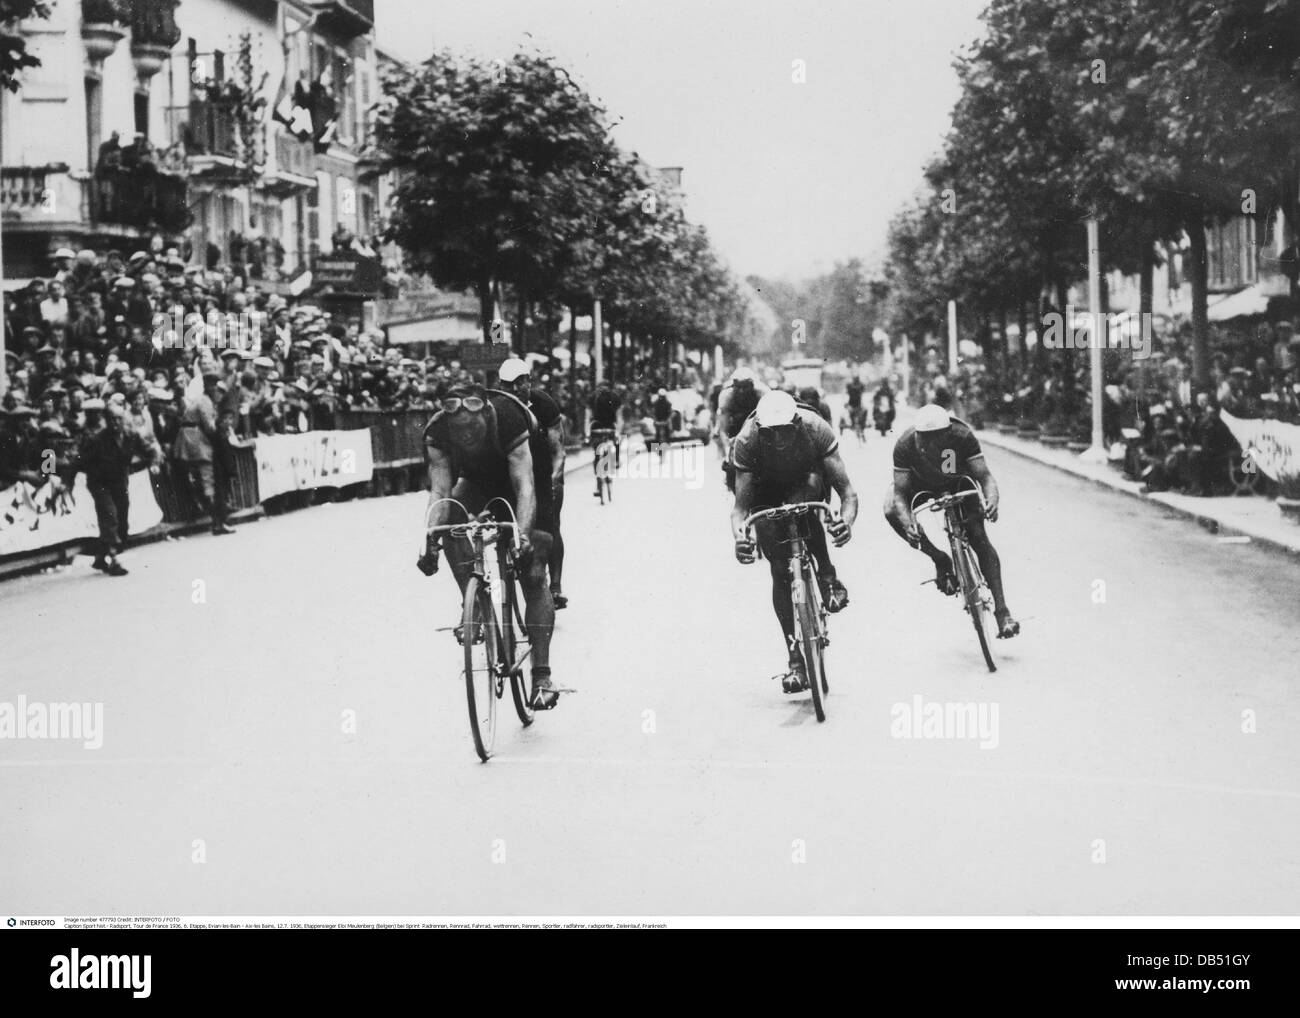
(788, 178)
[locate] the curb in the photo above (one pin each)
(1211, 523)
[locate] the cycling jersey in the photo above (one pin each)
(484, 474)
(757, 451)
(604, 409)
(855, 391)
(942, 470)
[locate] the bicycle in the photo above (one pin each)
(977, 598)
(492, 640)
(606, 453)
(810, 615)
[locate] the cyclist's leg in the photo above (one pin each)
(539, 615)
(941, 559)
(557, 542)
(990, 562)
(458, 551)
(778, 560)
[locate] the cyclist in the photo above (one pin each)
(857, 415)
(785, 453)
(547, 449)
(736, 402)
(810, 397)
(604, 421)
(883, 403)
(662, 408)
(477, 449)
(931, 458)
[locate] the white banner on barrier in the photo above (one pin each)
(314, 459)
(1273, 445)
(35, 517)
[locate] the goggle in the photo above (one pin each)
(471, 403)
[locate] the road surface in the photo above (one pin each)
(284, 727)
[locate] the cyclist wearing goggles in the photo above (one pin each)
(477, 449)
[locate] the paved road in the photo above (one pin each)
(279, 704)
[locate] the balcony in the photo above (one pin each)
(349, 18)
(293, 167)
(144, 200)
(40, 198)
(209, 132)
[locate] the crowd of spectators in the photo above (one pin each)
(1164, 431)
(139, 332)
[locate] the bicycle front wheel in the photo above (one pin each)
(482, 681)
(511, 627)
(974, 594)
(809, 621)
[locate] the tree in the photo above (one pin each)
(496, 159)
(14, 58)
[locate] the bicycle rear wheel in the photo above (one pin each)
(808, 619)
(482, 683)
(510, 644)
(975, 594)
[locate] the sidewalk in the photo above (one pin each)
(1250, 517)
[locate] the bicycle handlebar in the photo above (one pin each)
(471, 528)
(943, 501)
(784, 511)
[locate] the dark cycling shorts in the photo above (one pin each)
(771, 534)
(476, 499)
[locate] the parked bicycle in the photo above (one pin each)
(810, 615)
(492, 630)
(976, 597)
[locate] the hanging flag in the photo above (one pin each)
(301, 123)
(324, 115)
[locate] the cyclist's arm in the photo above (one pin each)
(839, 478)
(520, 462)
(903, 497)
(980, 473)
(555, 436)
(743, 504)
(440, 485)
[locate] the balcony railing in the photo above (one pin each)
(211, 130)
(141, 199)
(349, 17)
(23, 188)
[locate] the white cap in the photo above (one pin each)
(932, 417)
(743, 375)
(776, 408)
(512, 369)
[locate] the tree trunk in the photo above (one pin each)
(1146, 298)
(1199, 273)
(1022, 319)
(573, 365)
(522, 343)
(485, 308)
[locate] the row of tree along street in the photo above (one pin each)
(509, 185)
(1158, 119)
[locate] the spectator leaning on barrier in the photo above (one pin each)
(195, 451)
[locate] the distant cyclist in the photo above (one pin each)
(477, 449)
(931, 457)
(856, 412)
(785, 453)
(737, 400)
(547, 449)
(604, 425)
(811, 397)
(662, 409)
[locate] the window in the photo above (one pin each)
(344, 86)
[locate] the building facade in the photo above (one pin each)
(232, 130)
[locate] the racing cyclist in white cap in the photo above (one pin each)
(932, 457)
(785, 453)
